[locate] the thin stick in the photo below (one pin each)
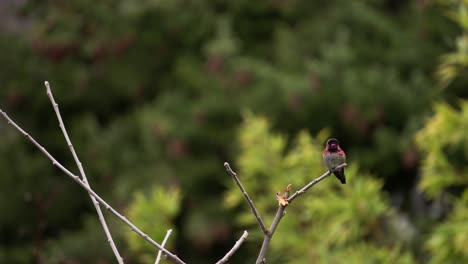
(90, 191)
(247, 197)
(83, 175)
(312, 183)
(266, 240)
(234, 248)
(158, 258)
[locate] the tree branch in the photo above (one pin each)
(90, 191)
(266, 240)
(234, 248)
(83, 174)
(284, 201)
(158, 258)
(315, 181)
(247, 197)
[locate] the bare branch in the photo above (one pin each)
(247, 197)
(158, 258)
(315, 181)
(284, 201)
(90, 191)
(266, 240)
(234, 248)
(83, 174)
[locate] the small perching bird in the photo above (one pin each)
(334, 156)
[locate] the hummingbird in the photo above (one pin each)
(333, 156)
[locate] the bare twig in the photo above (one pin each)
(247, 197)
(83, 175)
(266, 240)
(233, 249)
(158, 258)
(90, 191)
(312, 183)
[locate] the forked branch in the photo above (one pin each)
(90, 191)
(283, 199)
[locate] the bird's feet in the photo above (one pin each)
(337, 168)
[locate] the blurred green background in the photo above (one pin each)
(156, 95)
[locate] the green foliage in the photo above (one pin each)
(330, 219)
(359, 253)
(444, 143)
(454, 64)
(448, 243)
(153, 213)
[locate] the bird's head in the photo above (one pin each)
(332, 145)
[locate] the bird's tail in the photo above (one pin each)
(341, 176)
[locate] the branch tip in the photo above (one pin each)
(47, 85)
(158, 257)
(247, 198)
(234, 248)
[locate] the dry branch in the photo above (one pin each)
(315, 181)
(83, 174)
(284, 200)
(90, 191)
(266, 240)
(158, 258)
(247, 197)
(96, 199)
(234, 248)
